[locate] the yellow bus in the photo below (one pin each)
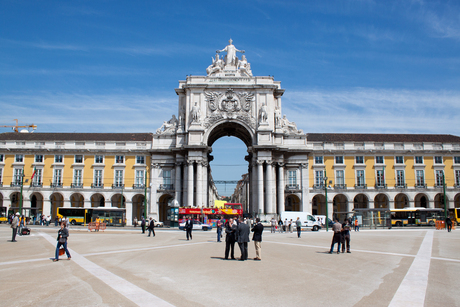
(417, 216)
(108, 215)
(454, 214)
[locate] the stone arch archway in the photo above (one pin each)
(97, 200)
(318, 204)
(234, 128)
(57, 201)
(381, 201)
(457, 201)
(77, 200)
(401, 201)
(292, 203)
(138, 206)
(439, 201)
(117, 201)
(340, 206)
(36, 203)
(361, 201)
(421, 200)
(164, 206)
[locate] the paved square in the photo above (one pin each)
(122, 267)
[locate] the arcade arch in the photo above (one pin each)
(401, 201)
(97, 200)
(164, 202)
(292, 203)
(57, 201)
(381, 201)
(117, 201)
(138, 206)
(361, 202)
(439, 201)
(77, 200)
(421, 200)
(318, 205)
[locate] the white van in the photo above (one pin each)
(307, 219)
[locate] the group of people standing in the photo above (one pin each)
(341, 236)
(237, 231)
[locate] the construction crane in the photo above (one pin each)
(16, 127)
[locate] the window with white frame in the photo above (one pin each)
(457, 178)
(400, 181)
(418, 160)
(139, 180)
(438, 160)
(37, 181)
(360, 182)
(78, 158)
(140, 160)
(2, 158)
(77, 177)
(167, 177)
(379, 159)
(119, 159)
(118, 178)
(380, 180)
(456, 160)
(319, 178)
(17, 176)
(339, 160)
(57, 178)
(38, 158)
(98, 159)
(1, 176)
(98, 178)
(420, 178)
(399, 159)
(359, 160)
(58, 159)
(318, 159)
(19, 158)
(439, 179)
(292, 178)
(340, 178)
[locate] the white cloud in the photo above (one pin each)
(368, 110)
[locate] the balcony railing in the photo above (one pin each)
(56, 185)
(36, 184)
(138, 186)
(318, 186)
(360, 186)
(439, 185)
(401, 186)
(1, 184)
(15, 184)
(166, 187)
(420, 186)
(381, 186)
(118, 186)
(77, 185)
(290, 187)
(340, 186)
(97, 185)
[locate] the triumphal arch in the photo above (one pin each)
(229, 101)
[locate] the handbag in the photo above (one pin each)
(61, 251)
(61, 240)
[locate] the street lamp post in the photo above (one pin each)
(325, 193)
(444, 198)
(20, 196)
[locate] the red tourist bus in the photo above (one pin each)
(211, 215)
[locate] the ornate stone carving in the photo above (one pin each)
(230, 58)
(289, 127)
(278, 121)
(195, 114)
(229, 65)
(168, 127)
(263, 115)
(246, 100)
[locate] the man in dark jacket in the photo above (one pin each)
(257, 238)
(151, 227)
(231, 233)
(243, 239)
(449, 224)
(143, 225)
(188, 227)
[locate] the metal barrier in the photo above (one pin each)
(440, 225)
(97, 226)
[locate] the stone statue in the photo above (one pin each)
(278, 122)
(263, 115)
(291, 126)
(195, 113)
(168, 126)
(216, 66)
(231, 50)
(244, 66)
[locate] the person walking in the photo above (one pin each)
(151, 227)
(14, 226)
(189, 227)
(143, 225)
(299, 226)
(356, 224)
(243, 239)
(135, 222)
(346, 236)
(257, 238)
(337, 238)
(285, 226)
(273, 225)
(230, 238)
(280, 225)
(63, 234)
(449, 224)
(219, 230)
(291, 226)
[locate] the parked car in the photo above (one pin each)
(197, 225)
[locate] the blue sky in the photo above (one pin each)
(347, 66)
